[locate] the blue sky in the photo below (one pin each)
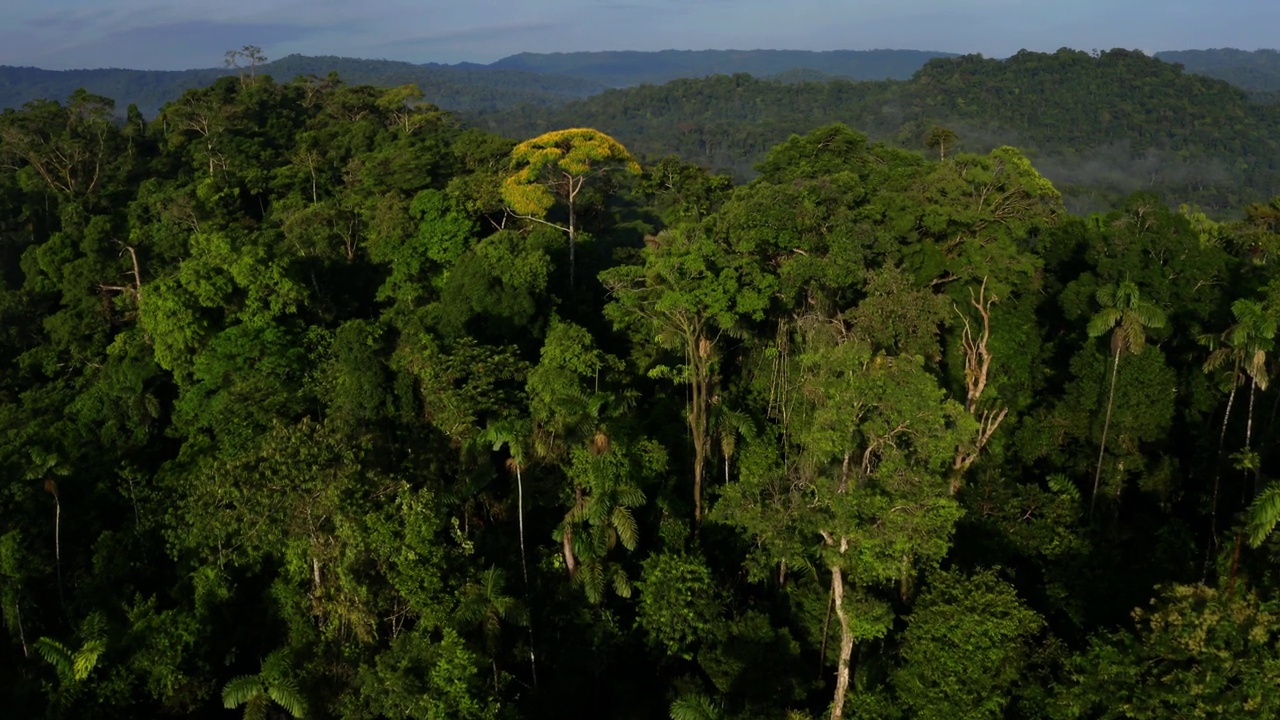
(60, 34)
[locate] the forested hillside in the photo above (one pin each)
(624, 69)
(1256, 70)
(1099, 126)
(315, 402)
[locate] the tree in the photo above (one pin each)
(485, 606)
(940, 138)
(1243, 348)
(557, 166)
(965, 647)
(689, 293)
(252, 54)
(1196, 652)
(1127, 317)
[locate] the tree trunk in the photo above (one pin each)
(524, 568)
(699, 364)
(570, 561)
(846, 644)
(1217, 480)
(1252, 485)
(1106, 426)
(573, 238)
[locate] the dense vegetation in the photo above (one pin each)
(1099, 126)
(315, 402)
(1256, 70)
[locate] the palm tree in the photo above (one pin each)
(485, 605)
(1127, 317)
(1243, 348)
(257, 692)
(514, 434)
(72, 667)
(600, 518)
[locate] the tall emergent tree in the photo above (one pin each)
(557, 166)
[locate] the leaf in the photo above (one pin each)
(286, 695)
(57, 655)
(87, 658)
(1263, 515)
(240, 690)
(625, 524)
(695, 707)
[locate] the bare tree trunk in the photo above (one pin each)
(572, 246)
(699, 364)
(1248, 440)
(51, 487)
(524, 568)
(17, 614)
(826, 630)
(846, 643)
(1106, 427)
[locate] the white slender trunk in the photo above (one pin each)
(524, 567)
(1106, 426)
(1217, 470)
(1248, 439)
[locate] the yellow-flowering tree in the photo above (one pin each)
(555, 167)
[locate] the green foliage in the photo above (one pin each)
(273, 685)
(1198, 653)
(678, 602)
(965, 647)
(288, 381)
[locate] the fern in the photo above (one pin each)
(1060, 484)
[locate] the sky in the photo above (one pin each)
(149, 35)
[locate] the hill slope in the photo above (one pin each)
(1098, 126)
(1258, 71)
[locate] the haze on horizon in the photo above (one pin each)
(150, 35)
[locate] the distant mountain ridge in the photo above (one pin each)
(627, 68)
(545, 80)
(455, 87)
(523, 79)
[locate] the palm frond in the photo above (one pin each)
(1102, 322)
(286, 695)
(240, 690)
(695, 707)
(276, 666)
(1263, 515)
(625, 523)
(1256, 367)
(1060, 484)
(87, 658)
(57, 655)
